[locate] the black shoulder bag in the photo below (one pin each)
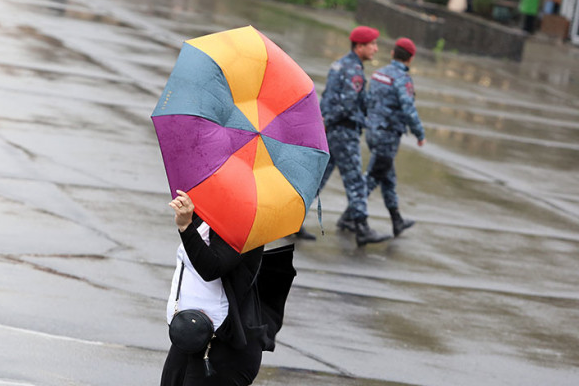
(191, 330)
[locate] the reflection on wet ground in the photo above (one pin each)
(483, 290)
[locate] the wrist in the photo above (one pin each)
(183, 227)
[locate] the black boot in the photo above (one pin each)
(398, 223)
(345, 222)
(304, 234)
(365, 234)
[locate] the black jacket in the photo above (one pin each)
(256, 284)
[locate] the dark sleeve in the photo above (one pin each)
(405, 91)
(213, 261)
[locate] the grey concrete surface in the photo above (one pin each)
(482, 291)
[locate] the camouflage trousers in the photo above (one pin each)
(344, 144)
(383, 145)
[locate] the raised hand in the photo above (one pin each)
(183, 207)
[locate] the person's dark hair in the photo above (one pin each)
(354, 45)
(401, 54)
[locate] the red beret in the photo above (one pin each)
(363, 34)
(407, 44)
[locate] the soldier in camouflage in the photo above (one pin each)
(343, 107)
(391, 110)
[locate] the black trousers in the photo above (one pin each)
(233, 367)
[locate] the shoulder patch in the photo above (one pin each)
(410, 89)
(357, 83)
(382, 78)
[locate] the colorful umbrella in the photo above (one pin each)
(241, 132)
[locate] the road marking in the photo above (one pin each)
(59, 337)
(9, 382)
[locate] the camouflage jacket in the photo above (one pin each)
(345, 95)
(391, 101)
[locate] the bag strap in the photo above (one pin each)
(179, 287)
(196, 220)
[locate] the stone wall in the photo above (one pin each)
(427, 23)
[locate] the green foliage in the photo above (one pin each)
(349, 5)
(439, 45)
(300, 2)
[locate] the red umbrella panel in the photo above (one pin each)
(240, 130)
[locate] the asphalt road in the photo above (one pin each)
(484, 290)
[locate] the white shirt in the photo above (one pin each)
(197, 293)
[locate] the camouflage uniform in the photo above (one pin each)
(390, 110)
(343, 107)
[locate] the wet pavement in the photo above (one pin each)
(484, 290)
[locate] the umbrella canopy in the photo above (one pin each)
(241, 132)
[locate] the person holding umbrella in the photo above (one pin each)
(244, 147)
(224, 285)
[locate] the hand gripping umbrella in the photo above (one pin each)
(241, 132)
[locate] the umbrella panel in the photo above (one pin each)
(284, 83)
(193, 148)
(242, 57)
